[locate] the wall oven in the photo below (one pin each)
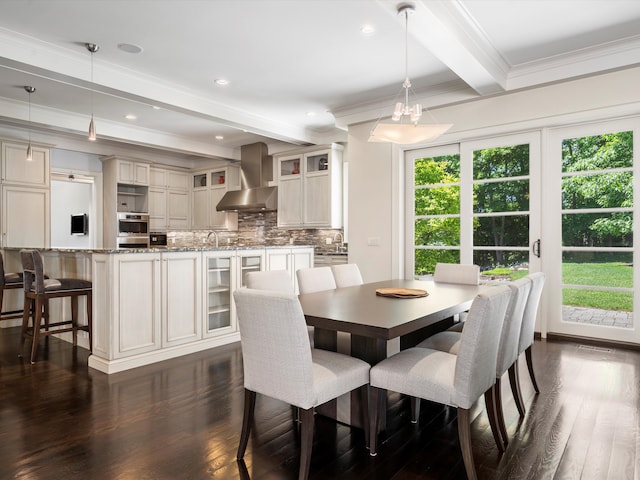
(133, 230)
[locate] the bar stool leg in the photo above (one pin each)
(37, 320)
(90, 320)
(74, 319)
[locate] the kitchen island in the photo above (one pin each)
(155, 304)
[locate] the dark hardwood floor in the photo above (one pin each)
(181, 420)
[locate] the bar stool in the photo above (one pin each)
(37, 292)
(9, 281)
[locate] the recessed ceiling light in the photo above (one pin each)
(221, 81)
(130, 117)
(130, 47)
(155, 107)
(367, 30)
(219, 137)
(311, 114)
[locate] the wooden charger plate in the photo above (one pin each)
(401, 292)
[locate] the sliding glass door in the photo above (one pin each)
(472, 203)
(591, 219)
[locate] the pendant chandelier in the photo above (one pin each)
(93, 48)
(29, 90)
(411, 131)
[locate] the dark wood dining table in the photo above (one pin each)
(373, 320)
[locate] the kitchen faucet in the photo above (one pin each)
(215, 235)
(335, 240)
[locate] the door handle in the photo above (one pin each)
(536, 248)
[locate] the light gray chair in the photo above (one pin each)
(274, 280)
(462, 274)
(465, 274)
(278, 362)
(315, 279)
(449, 341)
(347, 275)
(455, 380)
(526, 339)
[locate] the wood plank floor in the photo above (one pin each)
(181, 420)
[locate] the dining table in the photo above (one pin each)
(374, 320)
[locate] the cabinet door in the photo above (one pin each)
(181, 297)
(157, 208)
(248, 261)
(290, 202)
(126, 173)
(177, 208)
(217, 219)
(137, 282)
(316, 201)
(141, 173)
(219, 317)
(25, 217)
(157, 177)
(18, 171)
(200, 208)
(177, 180)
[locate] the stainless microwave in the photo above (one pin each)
(133, 224)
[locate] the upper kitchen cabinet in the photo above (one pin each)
(17, 170)
(168, 198)
(25, 197)
(133, 172)
(310, 187)
(208, 188)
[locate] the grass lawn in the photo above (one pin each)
(613, 274)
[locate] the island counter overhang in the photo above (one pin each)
(155, 304)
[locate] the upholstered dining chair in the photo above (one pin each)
(278, 362)
(526, 340)
(315, 279)
(8, 281)
(274, 280)
(454, 380)
(347, 275)
(38, 290)
(449, 341)
(462, 274)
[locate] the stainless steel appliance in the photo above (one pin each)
(133, 230)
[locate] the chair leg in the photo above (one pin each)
(514, 380)
(26, 314)
(375, 400)
(497, 397)
(306, 441)
(74, 319)
(490, 403)
(464, 433)
(90, 320)
(247, 421)
(529, 358)
(37, 320)
(364, 400)
(415, 409)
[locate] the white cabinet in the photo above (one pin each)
(133, 302)
(219, 281)
(209, 186)
(310, 188)
(25, 217)
(181, 297)
(248, 261)
(25, 197)
(133, 172)
(17, 170)
(168, 199)
(289, 259)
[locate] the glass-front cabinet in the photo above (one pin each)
(220, 316)
(248, 261)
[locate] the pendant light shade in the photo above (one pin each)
(93, 48)
(411, 131)
(29, 90)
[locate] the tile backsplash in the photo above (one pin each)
(259, 229)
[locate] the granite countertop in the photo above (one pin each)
(165, 249)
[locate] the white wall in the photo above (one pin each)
(376, 169)
(70, 198)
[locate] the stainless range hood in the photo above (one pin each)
(256, 171)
